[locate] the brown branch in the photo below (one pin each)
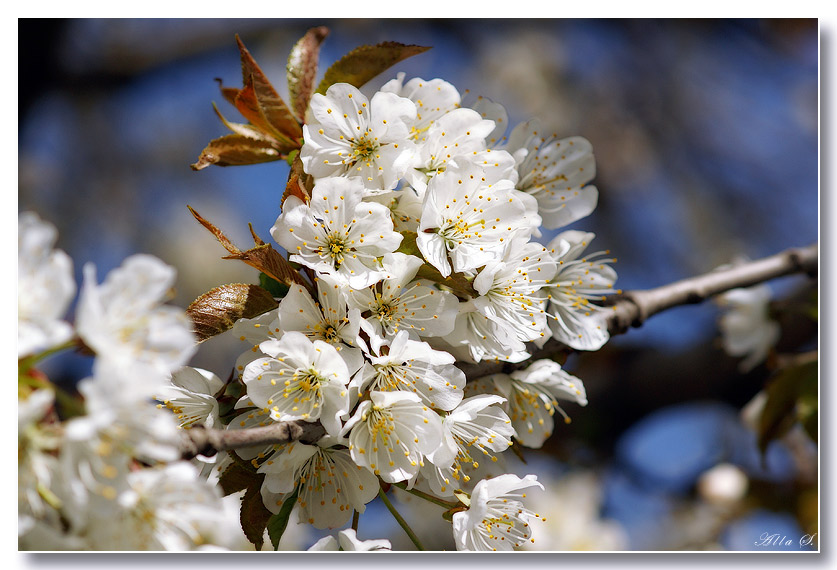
(631, 309)
(198, 440)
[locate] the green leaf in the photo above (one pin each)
(217, 310)
(254, 515)
(279, 522)
(278, 290)
(302, 69)
(236, 150)
(233, 391)
(365, 62)
(291, 158)
(782, 408)
(807, 406)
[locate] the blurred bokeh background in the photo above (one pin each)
(705, 134)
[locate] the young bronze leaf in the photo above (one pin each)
(241, 129)
(219, 235)
(269, 261)
(365, 62)
(229, 93)
(249, 106)
(302, 69)
(299, 184)
(262, 257)
(217, 310)
(254, 515)
(236, 150)
(274, 108)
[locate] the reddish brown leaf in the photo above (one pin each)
(229, 93)
(271, 263)
(217, 310)
(237, 478)
(299, 183)
(365, 62)
(302, 69)
(254, 515)
(262, 257)
(219, 235)
(248, 131)
(236, 150)
(272, 105)
(248, 105)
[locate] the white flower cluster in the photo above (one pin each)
(420, 231)
(108, 479)
(420, 236)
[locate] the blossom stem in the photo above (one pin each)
(27, 363)
(355, 520)
(400, 520)
(436, 501)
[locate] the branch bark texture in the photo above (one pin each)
(630, 309)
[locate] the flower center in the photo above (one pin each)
(330, 333)
(385, 311)
(335, 247)
(364, 148)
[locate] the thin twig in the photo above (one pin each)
(633, 308)
(400, 519)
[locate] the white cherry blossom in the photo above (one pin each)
(348, 541)
(457, 135)
(497, 518)
(123, 319)
(392, 433)
(574, 320)
(349, 136)
(191, 397)
(485, 338)
(433, 98)
(556, 172)
(532, 398)
(299, 380)
(746, 327)
(401, 303)
(510, 289)
(336, 233)
(495, 112)
(404, 206)
(328, 319)
(167, 508)
(472, 433)
(45, 287)
(471, 220)
(414, 367)
(330, 484)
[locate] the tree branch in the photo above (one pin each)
(630, 309)
(633, 308)
(199, 440)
